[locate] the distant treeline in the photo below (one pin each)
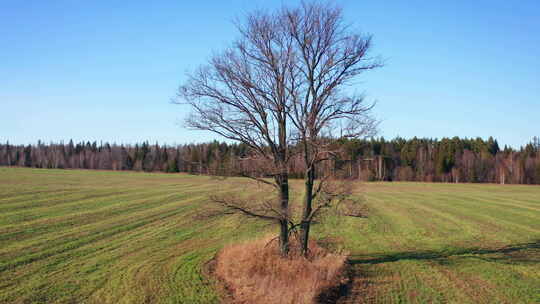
(429, 160)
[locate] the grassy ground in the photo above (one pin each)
(71, 236)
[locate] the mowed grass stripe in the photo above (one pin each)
(101, 248)
(102, 210)
(58, 262)
(492, 217)
(477, 216)
(486, 212)
(17, 195)
(90, 209)
(59, 198)
(523, 203)
(58, 207)
(144, 209)
(418, 221)
(73, 243)
(146, 254)
(444, 255)
(104, 253)
(496, 207)
(43, 202)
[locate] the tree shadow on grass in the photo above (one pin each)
(522, 253)
(366, 280)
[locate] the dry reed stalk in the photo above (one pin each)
(255, 272)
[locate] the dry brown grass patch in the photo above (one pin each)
(254, 273)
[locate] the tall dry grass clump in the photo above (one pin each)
(254, 272)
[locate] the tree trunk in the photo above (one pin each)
(308, 200)
(283, 181)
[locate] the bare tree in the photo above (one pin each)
(241, 95)
(282, 85)
(330, 57)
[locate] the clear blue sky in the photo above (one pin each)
(105, 70)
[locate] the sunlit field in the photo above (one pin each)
(70, 236)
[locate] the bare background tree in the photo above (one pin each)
(281, 85)
(461, 160)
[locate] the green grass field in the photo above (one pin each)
(71, 236)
